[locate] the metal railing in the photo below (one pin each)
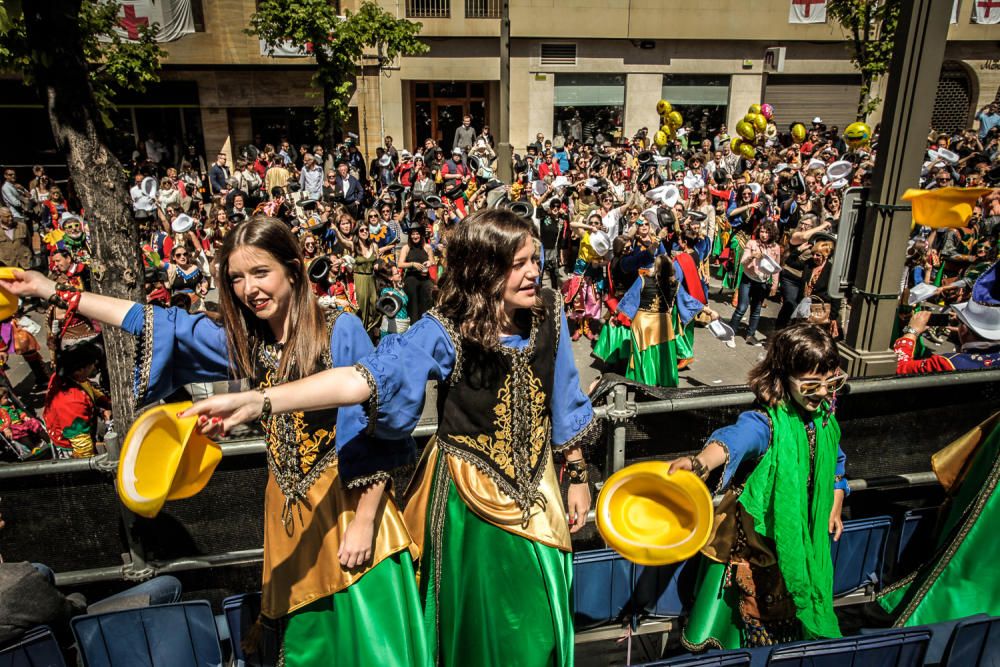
(620, 410)
(428, 9)
(482, 9)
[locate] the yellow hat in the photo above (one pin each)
(8, 302)
(943, 207)
(164, 458)
(653, 518)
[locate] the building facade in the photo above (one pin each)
(578, 68)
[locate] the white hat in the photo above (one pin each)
(920, 293)
(600, 242)
(149, 186)
(666, 194)
(721, 330)
(815, 163)
(182, 223)
(838, 184)
(981, 313)
(817, 120)
(403, 154)
(538, 188)
(780, 167)
(768, 265)
(559, 182)
(592, 184)
(661, 159)
(385, 160)
(755, 188)
(839, 169)
(693, 181)
(456, 151)
(933, 154)
(948, 156)
(651, 217)
(69, 216)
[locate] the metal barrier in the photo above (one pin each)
(872, 412)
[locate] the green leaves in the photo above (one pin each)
(872, 25)
(117, 64)
(338, 43)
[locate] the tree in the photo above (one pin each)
(872, 25)
(337, 43)
(68, 50)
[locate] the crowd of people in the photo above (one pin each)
(645, 243)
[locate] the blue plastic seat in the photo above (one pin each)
(241, 612)
(975, 642)
(915, 534)
(893, 648)
(656, 589)
(602, 586)
(169, 635)
(718, 659)
(38, 648)
(859, 555)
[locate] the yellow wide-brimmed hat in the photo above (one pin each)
(943, 207)
(654, 518)
(8, 302)
(164, 458)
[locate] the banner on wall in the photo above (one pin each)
(174, 17)
(807, 11)
(986, 12)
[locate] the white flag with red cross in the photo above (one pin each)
(807, 11)
(986, 12)
(173, 16)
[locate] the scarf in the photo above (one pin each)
(776, 496)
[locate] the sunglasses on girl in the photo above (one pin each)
(810, 387)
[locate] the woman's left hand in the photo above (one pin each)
(358, 545)
(577, 505)
(836, 523)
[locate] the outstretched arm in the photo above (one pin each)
(106, 309)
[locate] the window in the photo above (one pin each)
(557, 54)
(428, 9)
(589, 106)
(702, 100)
(482, 9)
(198, 15)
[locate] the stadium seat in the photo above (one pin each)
(892, 648)
(38, 648)
(241, 612)
(602, 586)
(169, 635)
(656, 589)
(975, 642)
(915, 534)
(859, 555)
(719, 659)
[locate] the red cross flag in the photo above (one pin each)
(173, 17)
(807, 11)
(986, 11)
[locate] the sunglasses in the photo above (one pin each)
(810, 387)
(180, 254)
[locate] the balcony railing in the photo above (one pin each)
(482, 9)
(428, 9)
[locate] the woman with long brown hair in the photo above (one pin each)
(485, 505)
(337, 556)
(366, 258)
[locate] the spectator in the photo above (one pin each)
(988, 117)
(15, 249)
(311, 177)
(15, 197)
(73, 405)
(465, 136)
(349, 187)
(218, 175)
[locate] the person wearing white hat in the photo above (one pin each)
(978, 333)
(761, 263)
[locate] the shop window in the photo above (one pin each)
(589, 106)
(703, 101)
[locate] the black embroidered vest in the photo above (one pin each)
(494, 410)
(300, 445)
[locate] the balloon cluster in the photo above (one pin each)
(670, 122)
(858, 135)
(752, 130)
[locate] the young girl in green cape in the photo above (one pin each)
(768, 575)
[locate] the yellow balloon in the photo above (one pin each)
(858, 132)
(759, 123)
(748, 151)
(675, 118)
(660, 138)
(666, 129)
(745, 130)
(799, 132)
(663, 107)
(755, 108)
(750, 117)
(735, 144)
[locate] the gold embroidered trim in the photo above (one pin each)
(584, 437)
(725, 448)
(144, 356)
(438, 509)
(557, 312)
(456, 343)
(371, 405)
(711, 642)
(374, 478)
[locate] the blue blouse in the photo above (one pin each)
(748, 439)
(403, 364)
(185, 347)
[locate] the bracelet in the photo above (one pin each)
(265, 410)
(578, 473)
(697, 467)
(910, 330)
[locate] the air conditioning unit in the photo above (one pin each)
(774, 59)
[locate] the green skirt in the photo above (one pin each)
(492, 598)
(715, 621)
(684, 338)
(960, 579)
(613, 343)
(375, 621)
(655, 366)
(731, 279)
